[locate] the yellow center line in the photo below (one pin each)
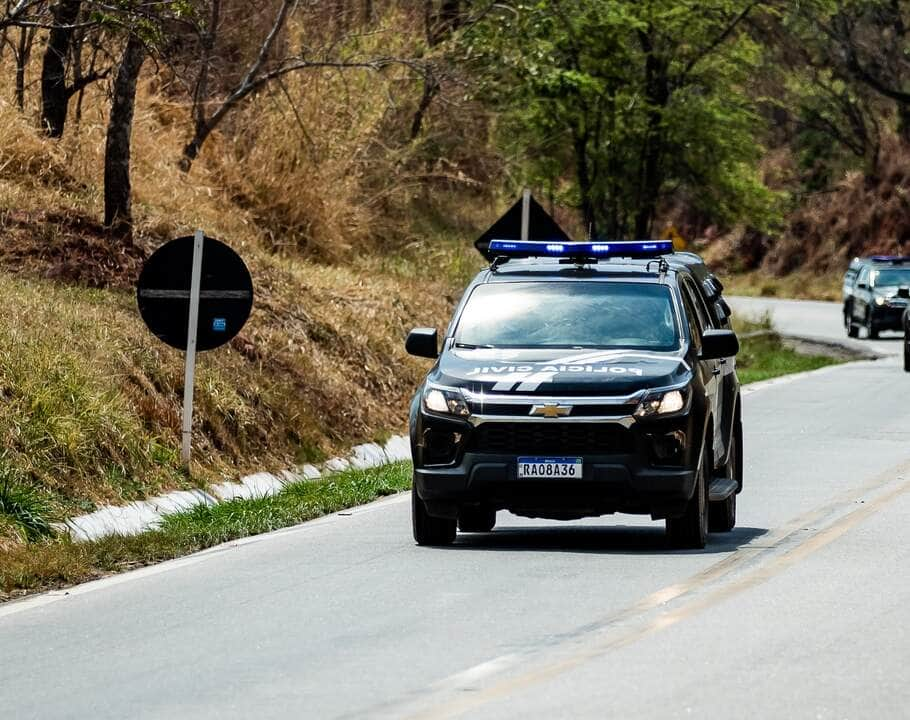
(615, 634)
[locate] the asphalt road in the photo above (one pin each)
(814, 320)
(799, 613)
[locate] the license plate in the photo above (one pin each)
(549, 467)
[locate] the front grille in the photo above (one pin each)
(604, 410)
(550, 438)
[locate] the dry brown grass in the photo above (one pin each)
(800, 284)
(860, 215)
(318, 199)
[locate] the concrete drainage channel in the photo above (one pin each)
(139, 516)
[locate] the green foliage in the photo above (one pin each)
(24, 511)
(763, 356)
(206, 525)
(66, 424)
(52, 563)
(637, 103)
(845, 67)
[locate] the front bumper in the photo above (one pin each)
(624, 478)
(888, 317)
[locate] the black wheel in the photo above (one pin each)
(722, 514)
(429, 530)
(476, 519)
(852, 330)
(871, 330)
(691, 530)
(906, 354)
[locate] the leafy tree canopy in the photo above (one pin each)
(637, 102)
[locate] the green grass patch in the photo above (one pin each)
(25, 512)
(59, 562)
(763, 354)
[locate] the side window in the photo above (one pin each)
(691, 316)
(696, 301)
(863, 276)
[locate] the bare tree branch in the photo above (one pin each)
(258, 76)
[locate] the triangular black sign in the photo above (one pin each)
(540, 227)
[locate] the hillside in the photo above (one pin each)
(92, 400)
(350, 151)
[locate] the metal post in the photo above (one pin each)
(192, 328)
(526, 215)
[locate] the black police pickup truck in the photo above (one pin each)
(876, 291)
(575, 380)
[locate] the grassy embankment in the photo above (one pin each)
(764, 355)
(91, 400)
(800, 284)
(50, 563)
(47, 562)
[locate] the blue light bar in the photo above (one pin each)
(538, 248)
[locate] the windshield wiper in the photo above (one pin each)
(469, 346)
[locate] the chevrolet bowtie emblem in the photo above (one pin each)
(551, 410)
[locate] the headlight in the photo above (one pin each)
(445, 402)
(880, 300)
(669, 402)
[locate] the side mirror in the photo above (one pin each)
(862, 286)
(716, 344)
(422, 342)
(903, 293)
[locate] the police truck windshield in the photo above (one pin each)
(569, 315)
(891, 277)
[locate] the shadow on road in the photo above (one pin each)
(612, 539)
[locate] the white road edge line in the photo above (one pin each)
(13, 607)
(16, 606)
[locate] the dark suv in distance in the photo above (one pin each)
(576, 380)
(876, 291)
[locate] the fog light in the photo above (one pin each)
(669, 448)
(440, 446)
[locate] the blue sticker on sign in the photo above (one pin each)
(219, 325)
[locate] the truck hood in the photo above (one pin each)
(560, 372)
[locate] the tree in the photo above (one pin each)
(54, 96)
(270, 64)
(864, 42)
(64, 48)
(117, 186)
(640, 101)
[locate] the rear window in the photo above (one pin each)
(569, 315)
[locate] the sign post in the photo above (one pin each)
(526, 214)
(195, 294)
(192, 331)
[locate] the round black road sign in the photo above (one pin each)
(225, 296)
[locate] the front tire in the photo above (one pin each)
(722, 515)
(691, 530)
(429, 530)
(871, 330)
(852, 329)
(476, 519)
(907, 352)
